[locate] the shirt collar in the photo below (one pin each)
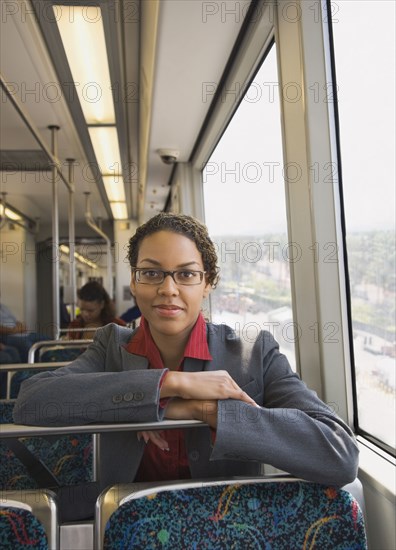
(142, 343)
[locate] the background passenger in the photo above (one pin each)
(177, 366)
(64, 314)
(14, 333)
(96, 310)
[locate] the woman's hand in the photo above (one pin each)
(193, 409)
(204, 386)
(183, 409)
(195, 397)
(155, 437)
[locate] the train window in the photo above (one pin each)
(366, 91)
(246, 215)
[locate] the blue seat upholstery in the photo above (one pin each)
(6, 408)
(269, 515)
(28, 520)
(19, 528)
(68, 457)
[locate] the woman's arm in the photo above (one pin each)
(293, 430)
(94, 388)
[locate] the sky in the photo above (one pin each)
(249, 156)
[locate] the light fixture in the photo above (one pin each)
(119, 210)
(79, 257)
(82, 32)
(105, 143)
(9, 214)
(114, 186)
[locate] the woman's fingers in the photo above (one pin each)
(246, 398)
(155, 437)
(206, 385)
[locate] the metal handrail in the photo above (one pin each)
(60, 343)
(19, 430)
(10, 367)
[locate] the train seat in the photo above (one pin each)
(28, 519)
(68, 457)
(46, 352)
(60, 353)
(239, 513)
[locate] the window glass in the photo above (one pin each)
(364, 43)
(246, 215)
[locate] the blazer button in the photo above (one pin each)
(138, 396)
(117, 398)
(128, 396)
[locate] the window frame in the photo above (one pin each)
(320, 291)
(367, 438)
(299, 45)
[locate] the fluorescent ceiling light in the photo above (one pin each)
(81, 30)
(82, 33)
(105, 143)
(10, 214)
(119, 210)
(114, 186)
(66, 250)
(84, 260)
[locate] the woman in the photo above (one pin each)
(177, 366)
(96, 310)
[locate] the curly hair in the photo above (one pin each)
(94, 292)
(185, 225)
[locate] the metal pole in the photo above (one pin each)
(72, 238)
(55, 236)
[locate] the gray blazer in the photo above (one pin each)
(292, 430)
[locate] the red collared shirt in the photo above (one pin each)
(158, 465)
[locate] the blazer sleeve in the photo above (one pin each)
(102, 385)
(292, 430)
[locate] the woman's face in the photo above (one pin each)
(90, 311)
(171, 309)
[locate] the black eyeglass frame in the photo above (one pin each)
(137, 270)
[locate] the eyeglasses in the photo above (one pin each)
(157, 276)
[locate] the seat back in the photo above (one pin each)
(61, 353)
(69, 457)
(57, 350)
(28, 519)
(248, 513)
(47, 351)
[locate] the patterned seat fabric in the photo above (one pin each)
(6, 408)
(271, 516)
(69, 457)
(20, 529)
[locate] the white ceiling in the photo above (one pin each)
(192, 50)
